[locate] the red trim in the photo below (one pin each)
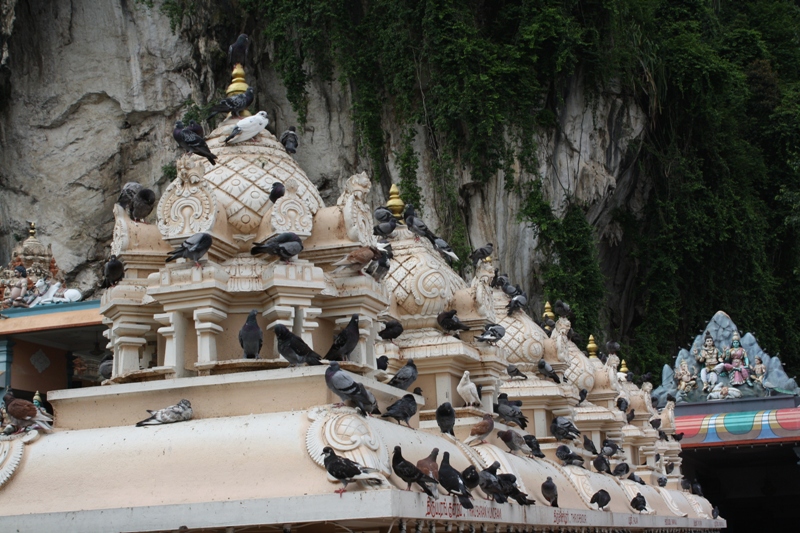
(762, 442)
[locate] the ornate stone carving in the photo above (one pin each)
(357, 214)
(246, 273)
(670, 502)
(120, 240)
(349, 434)
(524, 339)
(188, 206)
(11, 449)
(290, 213)
(482, 293)
(580, 371)
(562, 341)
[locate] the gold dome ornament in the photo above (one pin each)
(623, 367)
(592, 348)
(238, 86)
(395, 203)
(548, 313)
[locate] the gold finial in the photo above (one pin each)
(623, 367)
(37, 399)
(396, 204)
(32, 229)
(592, 348)
(238, 85)
(548, 313)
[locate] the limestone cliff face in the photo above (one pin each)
(94, 88)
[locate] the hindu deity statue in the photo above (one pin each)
(737, 364)
(708, 356)
(686, 379)
(759, 369)
(722, 392)
(18, 289)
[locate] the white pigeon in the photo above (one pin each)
(168, 415)
(468, 391)
(247, 128)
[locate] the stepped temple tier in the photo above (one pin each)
(250, 448)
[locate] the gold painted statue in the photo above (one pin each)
(685, 378)
(709, 357)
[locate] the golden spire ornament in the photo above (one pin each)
(238, 86)
(395, 203)
(592, 348)
(623, 367)
(548, 313)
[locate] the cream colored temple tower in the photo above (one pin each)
(250, 460)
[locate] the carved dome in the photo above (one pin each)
(524, 339)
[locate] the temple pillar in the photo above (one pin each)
(128, 340)
(206, 323)
(174, 332)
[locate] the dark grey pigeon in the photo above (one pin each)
(196, 128)
(450, 480)
(234, 104)
(345, 342)
(382, 362)
(402, 410)
(137, 201)
(568, 456)
(622, 404)
(417, 391)
(237, 52)
(445, 250)
(656, 423)
(637, 479)
(294, 349)
(612, 347)
(621, 470)
(409, 473)
(509, 412)
(500, 280)
(492, 333)
(639, 503)
(662, 481)
(378, 268)
(547, 371)
(509, 484)
(382, 214)
(392, 330)
(582, 396)
(284, 245)
(533, 444)
(192, 142)
(347, 471)
(384, 229)
(106, 366)
(697, 489)
(511, 290)
(677, 436)
(113, 272)
(561, 308)
(669, 467)
(489, 483)
(517, 302)
(515, 372)
(601, 498)
(715, 512)
(514, 441)
(562, 428)
(192, 248)
(686, 484)
(601, 464)
(251, 338)
(450, 322)
(630, 416)
(481, 253)
(405, 376)
(415, 224)
(345, 388)
(471, 477)
(588, 445)
(550, 492)
(277, 191)
(609, 448)
(446, 418)
(290, 140)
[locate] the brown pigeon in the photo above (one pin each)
(358, 259)
(429, 466)
(481, 430)
(22, 414)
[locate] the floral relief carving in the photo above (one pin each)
(349, 434)
(290, 213)
(188, 205)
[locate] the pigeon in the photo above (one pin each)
(380, 267)
(277, 191)
(582, 396)
(445, 250)
(192, 142)
(662, 435)
(612, 347)
(348, 471)
(417, 391)
(509, 412)
(697, 489)
(630, 416)
(345, 388)
(234, 104)
(284, 245)
(514, 441)
(402, 409)
(468, 391)
(491, 333)
(669, 467)
(174, 413)
(588, 445)
(137, 201)
(196, 128)
(562, 428)
(237, 52)
(429, 466)
(547, 371)
(357, 259)
(601, 464)
(568, 456)
(609, 448)
(514, 372)
(671, 398)
(561, 308)
(471, 477)
(192, 248)
(677, 436)
(382, 362)
(106, 366)
(658, 457)
(637, 479)
(639, 503)
(382, 214)
(247, 128)
(662, 481)
(622, 404)
(345, 342)
(533, 444)
(416, 226)
(113, 272)
(450, 480)
(294, 349)
(405, 376)
(489, 483)
(392, 330)
(508, 482)
(290, 140)
(481, 430)
(601, 498)
(550, 492)
(450, 322)
(656, 423)
(715, 512)
(446, 418)
(481, 253)
(621, 470)
(23, 414)
(686, 484)
(251, 338)
(384, 229)
(410, 473)
(517, 302)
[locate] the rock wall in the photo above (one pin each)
(94, 89)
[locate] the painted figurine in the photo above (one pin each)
(19, 288)
(685, 378)
(737, 364)
(759, 370)
(723, 392)
(708, 356)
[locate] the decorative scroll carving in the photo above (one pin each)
(665, 494)
(11, 449)
(188, 205)
(357, 214)
(290, 213)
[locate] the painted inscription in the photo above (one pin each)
(440, 509)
